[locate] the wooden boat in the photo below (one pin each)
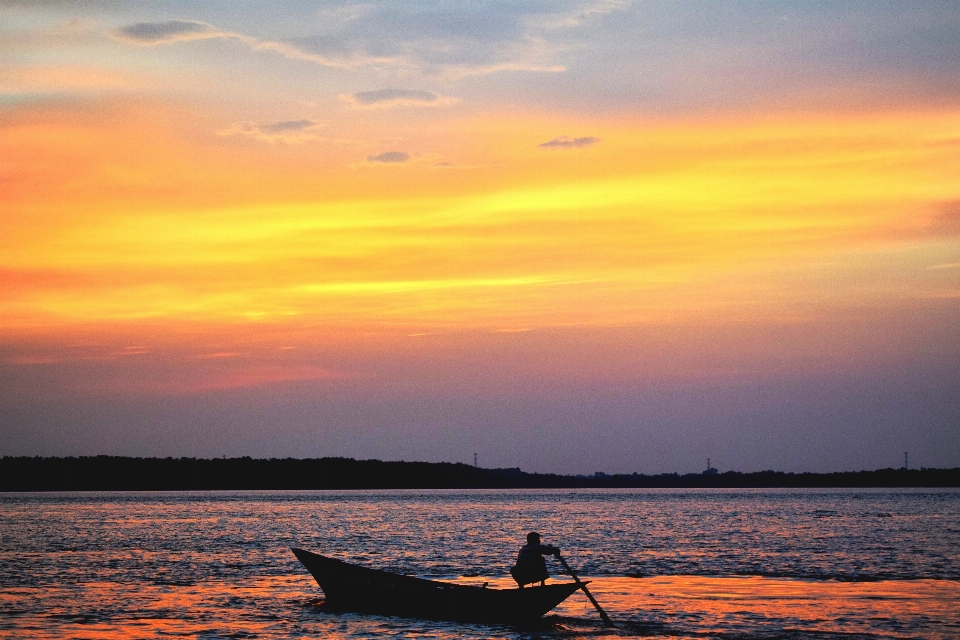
(349, 587)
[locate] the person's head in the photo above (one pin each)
(533, 538)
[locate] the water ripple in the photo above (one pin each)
(678, 563)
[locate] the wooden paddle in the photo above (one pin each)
(607, 622)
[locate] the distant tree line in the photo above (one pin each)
(115, 473)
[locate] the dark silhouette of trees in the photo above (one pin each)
(115, 473)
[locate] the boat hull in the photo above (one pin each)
(348, 587)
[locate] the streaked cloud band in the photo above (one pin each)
(386, 98)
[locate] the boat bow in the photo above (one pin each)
(350, 587)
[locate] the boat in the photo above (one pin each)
(350, 587)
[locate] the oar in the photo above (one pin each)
(607, 622)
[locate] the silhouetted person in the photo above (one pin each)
(531, 567)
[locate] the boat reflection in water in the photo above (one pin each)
(348, 587)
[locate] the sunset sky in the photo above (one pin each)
(568, 236)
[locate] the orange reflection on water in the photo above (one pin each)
(893, 608)
(666, 606)
(119, 611)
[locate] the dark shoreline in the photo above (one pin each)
(116, 473)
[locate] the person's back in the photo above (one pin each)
(531, 566)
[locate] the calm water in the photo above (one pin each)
(668, 563)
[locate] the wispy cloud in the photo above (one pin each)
(286, 126)
(169, 31)
(453, 72)
(172, 31)
(577, 15)
(338, 16)
(447, 43)
(563, 142)
(73, 32)
(283, 131)
(385, 98)
(390, 157)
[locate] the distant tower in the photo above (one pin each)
(906, 464)
(474, 460)
(708, 464)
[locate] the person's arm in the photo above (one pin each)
(549, 550)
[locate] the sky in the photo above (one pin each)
(571, 236)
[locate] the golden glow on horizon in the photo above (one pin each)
(111, 224)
